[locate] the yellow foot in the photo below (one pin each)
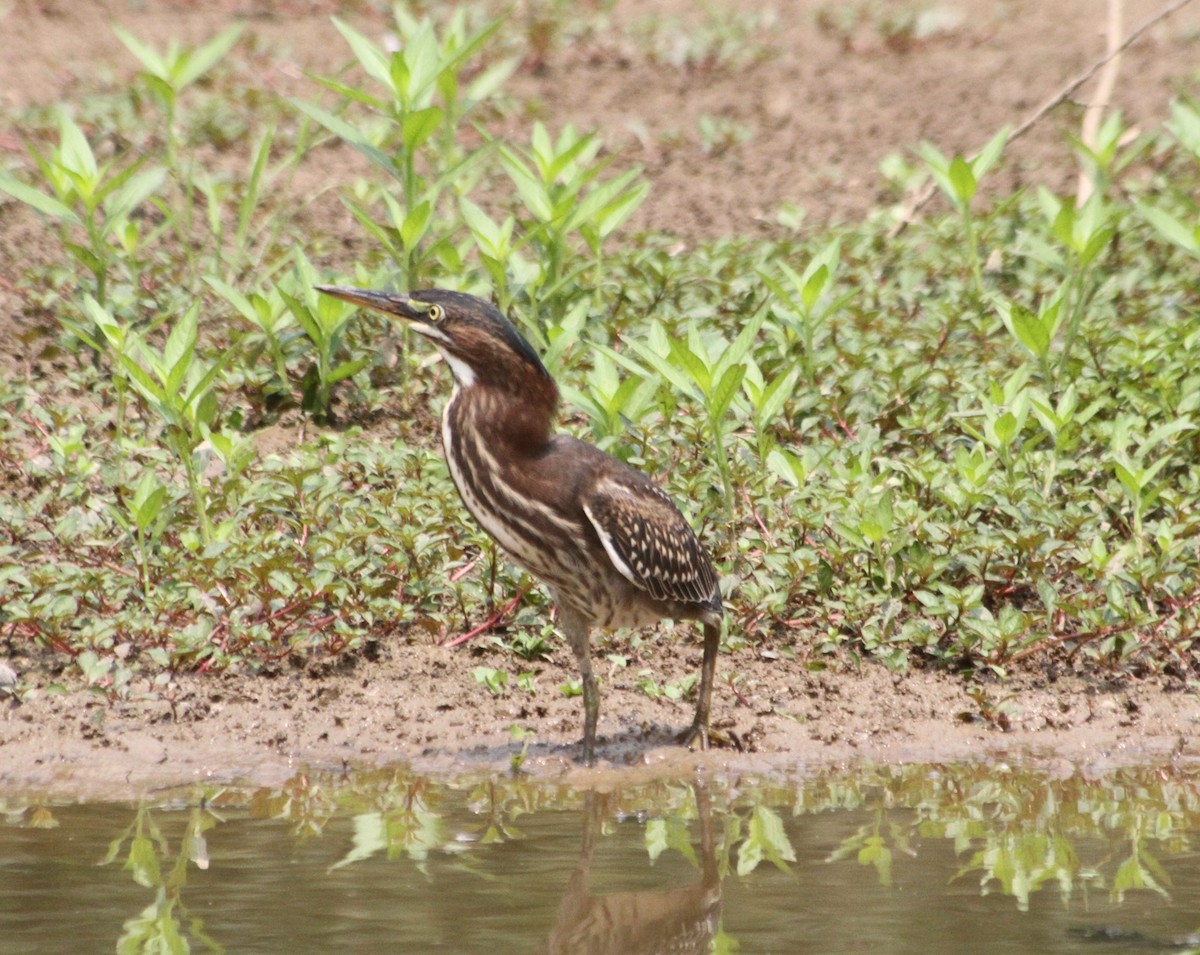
(696, 733)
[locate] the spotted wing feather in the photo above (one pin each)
(649, 542)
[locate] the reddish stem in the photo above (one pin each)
(488, 624)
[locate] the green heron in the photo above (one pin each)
(608, 542)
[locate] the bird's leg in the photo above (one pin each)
(576, 630)
(698, 731)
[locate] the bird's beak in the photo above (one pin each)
(396, 304)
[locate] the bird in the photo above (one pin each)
(610, 545)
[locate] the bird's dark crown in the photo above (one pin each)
(490, 359)
(464, 328)
(475, 330)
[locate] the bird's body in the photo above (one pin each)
(608, 542)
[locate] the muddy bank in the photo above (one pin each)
(421, 706)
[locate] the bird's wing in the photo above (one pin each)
(648, 540)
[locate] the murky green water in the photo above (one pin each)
(965, 859)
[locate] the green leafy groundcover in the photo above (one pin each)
(971, 443)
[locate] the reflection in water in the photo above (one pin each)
(160, 926)
(922, 859)
(681, 920)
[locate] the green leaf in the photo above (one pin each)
(492, 237)
(141, 379)
(370, 57)
(146, 55)
(1164, 431)
(304, 318)
(696, 367)
(778, 391)
(532, 192)
(877, 520)
(205, 57)
(348, 368)
(989, 154)
(813, 287)
(616, 212)
(1185, 125)
(345, 131)
(765, 840)
(160, 87)
(962, 180)
(726, 388)
(415, 224)
(351, 93)
(1130, 481)
(38, 200)
(939, 167)
(235, 298)
(180, 346)
(787, 467)
(1005, 429)
(250, 199)
(1170, 228)
(135, 192)
(1028, 329)
(598, 198)
(738, 351)
(419, 125)
(148, 500)
(875, 853)
(415, 69)
(205, 410)
(75, 154)
(1097, 242)
(673, 373)
(142, 863)
(493, 77)
(85, 255)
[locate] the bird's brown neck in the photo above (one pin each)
(521, 420)
(494, 443)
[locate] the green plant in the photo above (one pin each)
(495, 680)
(1104, 159)
(275, 331)
(324, 320)
(1084, 234)
(559, 187)
(676, 690)
(1136, 473)
(420, 113)
(711, 372)
(95, 198)
(523, 736)
(958, 178)
(170, 72)
(529, 643)
(718, 134)
(805, 303)
(147, 516)
(1035, 330)
(177, 386)
(872, 484)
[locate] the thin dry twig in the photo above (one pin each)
(1061, 96)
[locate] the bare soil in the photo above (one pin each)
(821, 110)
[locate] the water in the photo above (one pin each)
(925, 859)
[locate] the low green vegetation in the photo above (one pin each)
(969, 445)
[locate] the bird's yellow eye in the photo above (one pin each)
(435, 313)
